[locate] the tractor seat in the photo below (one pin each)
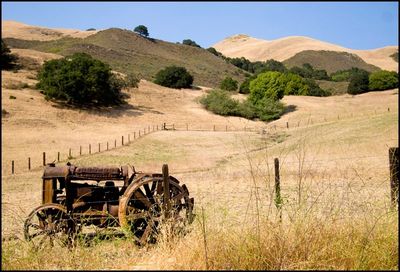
(111, 193)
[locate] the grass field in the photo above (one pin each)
(334, 181)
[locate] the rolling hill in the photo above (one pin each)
(331, 61)
(127, 52)
(284, 48)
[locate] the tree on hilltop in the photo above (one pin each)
(141, 30)
(191, 43)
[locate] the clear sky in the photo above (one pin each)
(355, 25)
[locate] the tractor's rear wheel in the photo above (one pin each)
(141, 208)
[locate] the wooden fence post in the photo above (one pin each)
(107, 145)
(122, 140)
(226, 127)
(164, 126)
(44, 158)
(394, 176)
(80, 150)
(167, 203)
(90, 149)
(278, 198)
(29, 163)
(134, 135)
(115, 143)
(58, 156)
(173, 126)
(214, 128)
(129, 138)
(287, 124)
(157, 127)
(12, 167)
(69, 153)
(99, 148)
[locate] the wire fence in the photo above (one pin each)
(127, 139)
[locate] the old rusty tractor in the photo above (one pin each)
(75, 197)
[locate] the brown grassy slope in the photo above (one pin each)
(13, 29)
(128, 52)
(284, 48)
(331, 61)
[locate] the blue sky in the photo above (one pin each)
(355, 25)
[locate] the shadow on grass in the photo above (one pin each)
(289, 108)
(115, 111)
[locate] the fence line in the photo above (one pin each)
(214, 128)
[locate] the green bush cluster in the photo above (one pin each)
(220, 102)
(275, 85)
(229, 84)
(174, 77)
(79, 79)
(383, 80)
(308, 71)
(361, 81)
(346, 75)
(8, 60)
(191, 43)
(245, 86)
(358, 82)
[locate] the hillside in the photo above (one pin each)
(284, 48)
(13, 29)
(334, 155)
(331, 61)
(127, 51)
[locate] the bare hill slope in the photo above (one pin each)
(13, 29)
(281, 49)
(331, 61)
(127, 51)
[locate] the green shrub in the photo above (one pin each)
(315, 89)
(395, 56)
(345, 75)
(213, 51)
(358, 83)
(269, 109)
(219, 102)
(268, 84)
(191, 43)
(131, 80)
(8, 60)
(229, 84)
(79, 79)
(308, 71)
(245, 86)
(383, 80)
(174, 77)
(91, 29)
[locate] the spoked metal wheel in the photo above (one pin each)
(141, 208)
(49, 225)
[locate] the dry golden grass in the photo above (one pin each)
(334, 175)
(284, 48)
(13, 29)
